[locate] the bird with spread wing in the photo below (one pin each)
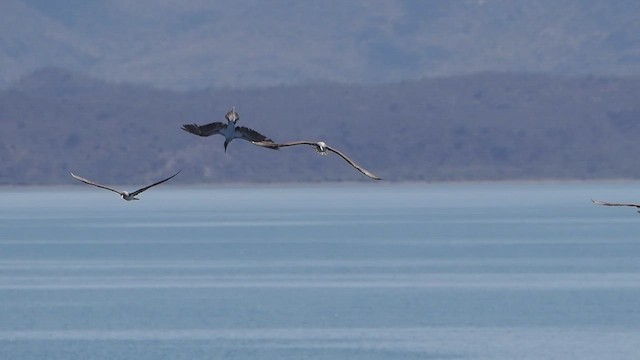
(323, 149)
(229, 130)
(123, 194)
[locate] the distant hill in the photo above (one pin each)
(489, 126)
(197, 44)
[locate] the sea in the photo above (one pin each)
(370, 270)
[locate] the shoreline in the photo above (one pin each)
(383, 183)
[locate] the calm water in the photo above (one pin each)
(371, 271)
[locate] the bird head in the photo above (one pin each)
(321, 148)
(232, 115)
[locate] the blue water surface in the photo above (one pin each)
(339, 271)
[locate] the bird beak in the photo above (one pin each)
(225, 146)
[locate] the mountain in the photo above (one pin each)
(489, 126)
(191, 45)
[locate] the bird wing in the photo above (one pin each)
(205, 130)
(251, 135)
(301, 142)
(352, 163)
(275, 146)
(154, 184)
(87, 181)
(614, 204)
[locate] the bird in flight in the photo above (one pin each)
(615, 204)
(323, 149)
(229, 130)
(123, 194)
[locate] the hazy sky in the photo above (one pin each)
(200, 43)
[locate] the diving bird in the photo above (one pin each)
(123, 194)
(229, 130)
(615, 204)
(323, 149)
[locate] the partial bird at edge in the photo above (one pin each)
(322, 148)
(597, 202)
(123, 194)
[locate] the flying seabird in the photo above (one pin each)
(229, 130)
(615, 204)
(123, 194)
(322, 148)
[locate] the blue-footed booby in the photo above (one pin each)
(229, 130)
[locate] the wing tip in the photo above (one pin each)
(191, 128)
(371, 175)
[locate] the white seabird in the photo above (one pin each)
(229, 130)
(615, 204)
(123, 194)
(322, 148)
